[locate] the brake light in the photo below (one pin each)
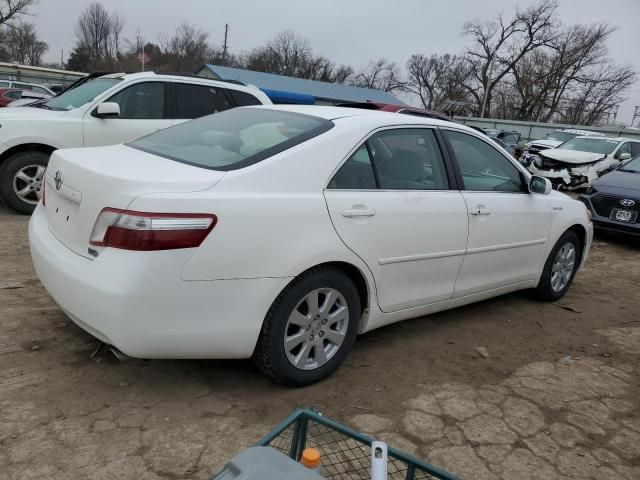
(131, 230)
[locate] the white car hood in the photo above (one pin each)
(572, 156)
(8, 113)
(546, 143)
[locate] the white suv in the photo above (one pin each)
(104, 110)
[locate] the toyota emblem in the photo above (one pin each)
(627, 202)
(58, 179)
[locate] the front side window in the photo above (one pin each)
(635, 149)
(399, 159)
(624, 148)
(232, 139)
(14, 94)
(195, 101)
(483, 168)
(82, 94)
(141, 101)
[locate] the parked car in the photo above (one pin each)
(405, 109)
(556, 138)
(102, 110)
(579, 161)
(614, 199)
(281, 232)
(36, 91)
(8, 95)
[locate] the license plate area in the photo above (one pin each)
(625, 216)
(62, 211)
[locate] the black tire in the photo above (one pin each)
(8, 171)
(544, 290)
(270, 355)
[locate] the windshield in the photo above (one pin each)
(592, 145)
(632, 166)
(232, 139)
(560, 136)
(78, 96)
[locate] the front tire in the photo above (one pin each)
(310, 328)
(21, 179)
(560, 267)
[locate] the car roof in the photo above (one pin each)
(380, 117)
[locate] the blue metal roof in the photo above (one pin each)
(315, 88)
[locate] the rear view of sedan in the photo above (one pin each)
(281, 233)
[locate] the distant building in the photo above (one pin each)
(39, 75)
(291, 90)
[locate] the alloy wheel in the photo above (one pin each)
(316, 328)
(563, 267)
(27, 183)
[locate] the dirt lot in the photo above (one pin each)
(527, 411)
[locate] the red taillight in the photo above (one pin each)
(132, 230)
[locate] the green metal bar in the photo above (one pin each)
(411, 472)
(299, 438)
(281, 427)
(399, 455)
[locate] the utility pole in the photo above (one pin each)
(224, 46)
(61, 59)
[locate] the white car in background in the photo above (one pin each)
(32, 90)
(280, 233)
(581, 160)
(556, 138)
(103, 110)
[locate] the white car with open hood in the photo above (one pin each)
(280, 233)
(579, 161)
(556, 138)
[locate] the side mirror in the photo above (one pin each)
(107, 109)
(540, 185)
(624, 156)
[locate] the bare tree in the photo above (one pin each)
(437, 79)
(23, 45)
(500, 44)
(11, 10)
(94, 30)
(187, 48)
(117, 24)
(380, 74)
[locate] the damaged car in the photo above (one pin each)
(556, 138)
(581, 160)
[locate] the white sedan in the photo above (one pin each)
(280, 233)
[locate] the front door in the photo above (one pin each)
(143, 110)
(391, 204)
(508, 226)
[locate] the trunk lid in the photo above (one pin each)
(90, 179)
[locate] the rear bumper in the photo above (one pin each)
(137, 302)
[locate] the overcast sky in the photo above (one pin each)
(347, 31)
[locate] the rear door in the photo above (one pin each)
(143, 110)
(508, 226)
(391, 203)
(194, 101)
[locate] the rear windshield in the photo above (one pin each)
(232, 139)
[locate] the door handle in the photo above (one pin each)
(480, 211)
(351, 213)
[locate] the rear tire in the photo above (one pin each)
(21, 178)
(294, 331)
(560, 267)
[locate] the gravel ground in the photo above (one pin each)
(558, 395)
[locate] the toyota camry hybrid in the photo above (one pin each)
(281, 233)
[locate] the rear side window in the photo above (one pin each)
(195, 101)
(14, 94)
(243, 99)
(233, 139)
(399, 159)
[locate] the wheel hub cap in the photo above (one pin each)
(27, 183)
(316, 328)
(563, 266)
